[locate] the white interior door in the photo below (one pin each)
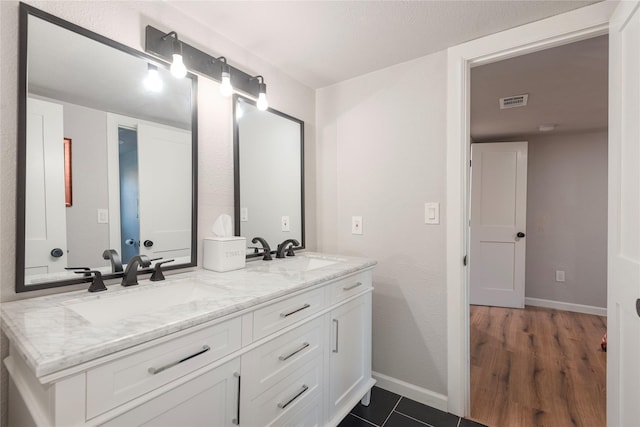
(164, 173)
(45, 220)
(623, 323)
(498, 221)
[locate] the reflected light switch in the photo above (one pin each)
(103, 216)
(432, 213)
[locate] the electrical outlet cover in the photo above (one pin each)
(356, 225)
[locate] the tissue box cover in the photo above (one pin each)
(224, 253)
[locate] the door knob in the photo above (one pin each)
(520, 234)
(57, 252)
(148, 243)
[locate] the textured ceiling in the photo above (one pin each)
(567, 87)
(320, 43)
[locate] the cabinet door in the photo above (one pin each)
(349, 352)
(208, 400)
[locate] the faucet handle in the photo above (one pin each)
(97, 284)
(85, 270)
(157, 275)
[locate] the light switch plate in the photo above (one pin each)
(356, 225)
(286, 223)
(103, 216)
(244, 214)
(432, 213)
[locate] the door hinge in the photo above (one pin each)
(464, 260)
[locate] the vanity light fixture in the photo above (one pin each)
(262, 102)
(153, 82)
(225, 86)
(178, 68)
(167, 47)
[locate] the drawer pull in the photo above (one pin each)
(348, 288)
(294, 311)
(236, 420)
(335, 349)
(154, 371)
(304, 388)
(294, 352)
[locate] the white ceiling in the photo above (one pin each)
(320, 43)
(567, 87)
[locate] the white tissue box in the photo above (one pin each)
(224, 253)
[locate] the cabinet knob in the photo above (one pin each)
(148, 243)
(520, 234)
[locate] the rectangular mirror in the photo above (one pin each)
(269, 175)
(127, 180)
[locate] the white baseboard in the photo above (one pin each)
(577, 308)
(413, 392)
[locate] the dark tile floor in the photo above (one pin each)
(388, 409)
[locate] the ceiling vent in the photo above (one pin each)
(514, 101)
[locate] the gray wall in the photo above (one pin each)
(86, 239)
(381, 155)
(567, 218)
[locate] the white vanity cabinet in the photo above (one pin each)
(349, 350)
(303, 360)
(211, 399)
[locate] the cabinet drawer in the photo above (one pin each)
(285, 398)
(268, 364)
(272, 318)
(344, 288)
(308, 416)
(123, 379)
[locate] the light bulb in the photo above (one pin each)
(225, 87)
(262, 103)
(178, 68)
(153, 82)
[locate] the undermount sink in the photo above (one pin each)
(121, 305)
(314, 263)
(301, 263)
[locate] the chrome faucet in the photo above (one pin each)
(283, 247)
(131, 273)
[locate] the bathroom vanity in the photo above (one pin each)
(279, 343)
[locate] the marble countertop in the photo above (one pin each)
(52, 336)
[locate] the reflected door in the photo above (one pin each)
(498, 222)
(164, 162)
(45, 220)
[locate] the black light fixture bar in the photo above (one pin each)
(198, 61)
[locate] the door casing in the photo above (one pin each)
(580, 24)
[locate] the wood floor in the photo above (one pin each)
(537, 367)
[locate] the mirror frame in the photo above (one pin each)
(25, 12)
(236, 170)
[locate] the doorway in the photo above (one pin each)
(565, 124)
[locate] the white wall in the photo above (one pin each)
(567, 218)
(381, 154)
(125, 22)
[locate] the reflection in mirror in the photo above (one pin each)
(269, 175)
(131, 163)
